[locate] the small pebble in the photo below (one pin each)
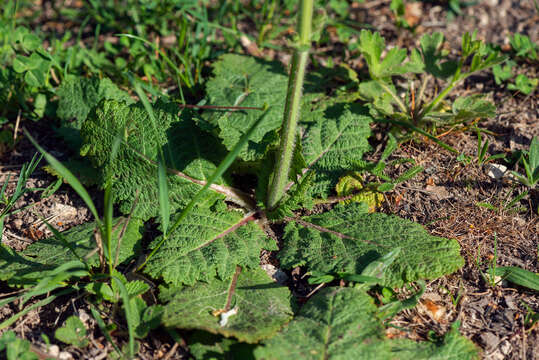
(505, 347)
(17, 224)
(64, 355)
(276, 273)
(496, 171)
(54, 350)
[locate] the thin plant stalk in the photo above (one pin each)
(292, 105)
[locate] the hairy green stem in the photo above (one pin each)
(292, 105)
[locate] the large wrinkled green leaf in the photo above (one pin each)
(337, 323)
(78, 95)
(50, 253)
(261, 306)
(343, 323)
(334, 144)
(210, 242)
(246, 81)
(190, 154)
(347, 238)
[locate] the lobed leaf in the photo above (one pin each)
(371, 46)
(472, 107)
(261, 306)
(73, 332)
(436, 62)
(347, 238)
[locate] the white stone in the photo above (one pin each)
(64, 355)
(54, 350)
(275, 273)
(496, 171)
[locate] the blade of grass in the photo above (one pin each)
(167, 59)
(55, 278)
(516, 275)
(38, 304)
(107, 224)
(108, 211)
(421, 131)
(104, 330)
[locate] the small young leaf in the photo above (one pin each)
(371, 46)
(503, 72)
(16, 348)
(524, 84)
(524, 46)
(353, 184)
(73, 332)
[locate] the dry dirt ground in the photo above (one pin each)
(443, 198)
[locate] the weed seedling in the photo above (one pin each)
(411, 109)
(531, 165)
(8, 203)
